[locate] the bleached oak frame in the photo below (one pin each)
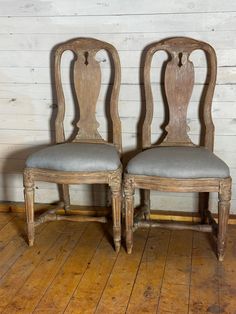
(178, 83)
(87, 83)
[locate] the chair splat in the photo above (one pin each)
(179, 81)
(87, 81)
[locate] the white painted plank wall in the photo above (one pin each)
(30, 29)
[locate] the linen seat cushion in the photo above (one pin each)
(76, 157)
(178, 162)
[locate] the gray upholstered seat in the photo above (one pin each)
(76, 157)
(178, 162)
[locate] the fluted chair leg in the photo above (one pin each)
(29, 207)
(129, 214)
(116, 213)
(223, 214)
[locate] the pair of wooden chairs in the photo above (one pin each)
(174, 165)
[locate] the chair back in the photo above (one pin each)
(87, 84)
(178, 87)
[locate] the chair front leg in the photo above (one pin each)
(223, 215)
(115, 184)
(129, 212)
(29, 205)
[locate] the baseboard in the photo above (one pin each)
(18, 207)
(184, 216)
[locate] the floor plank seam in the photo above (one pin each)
(107, 282)
(84, 272)
(34, 267)
(26, 282)
(189, 277)
(12, 265)
(162, 280)
(141, 258)
(191, 267)
(8, 269)
(22, 244)
(12, 236)
(5, 247)
(48, 287)
(219, 275)
(85, 227)
(8, 221)
(44, 227)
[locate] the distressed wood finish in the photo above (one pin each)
(178, 85)
(87, 80)
(73, 269)
(87, 83)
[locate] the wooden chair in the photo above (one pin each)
(88, 158)
(176, 164)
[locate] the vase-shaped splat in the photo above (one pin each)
(87, 78)
(179, 81)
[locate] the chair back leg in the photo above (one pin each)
(203, 206)
(146, 194)
(66, 196)
(223, 215)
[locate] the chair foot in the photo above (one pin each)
(221, 250)
(221, 257)
(31, 234)
(117, 246)
(31, 242)
(117, 238)
(129, 241)
(129, 248)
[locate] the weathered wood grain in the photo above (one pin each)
(46, 271)
(129, 58)
(86, 79)
(64, 284)
(25, 55)
(93, 281)
(22, 268)
(146, 291)
(51, 8)
(125, 41)
(38, 122)
(128, 109)
(128, 92)
(145, 280)
(178, 74)
(119, 23)
(115, 297)
(36, 75)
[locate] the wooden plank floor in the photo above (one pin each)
(72, 268)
